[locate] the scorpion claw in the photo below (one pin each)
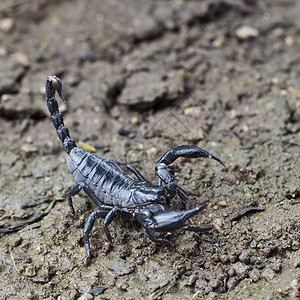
(188, 151)
(155, 218)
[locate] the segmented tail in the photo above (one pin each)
(53, 84)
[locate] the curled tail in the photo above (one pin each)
(53, 84)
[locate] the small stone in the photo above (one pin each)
(29, 148)
(140, 261)
(215, 283)
(3, 51)
(295, 285)
(254, 275)
(38, 250)
(21, 58)
(218, 224)
(241, 269)
(222, 204)
(99, 290)
(201, 284)
(232, 257)
(6, 25)
(152, 150)
(194, 111)
(231, 272)
(30, 271)
(58, 188)
(244, 256)
(86, 296)
(296, 262)
(289, 40)
(219, 42)
(224, 258)
(276, 266)
(134, 121)
(295, 245)
(246, 32)
(193, 278)
(268, 274)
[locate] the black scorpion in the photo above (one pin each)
(117, 193)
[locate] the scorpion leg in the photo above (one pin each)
(87, 229)
(108, 219)
(131, 168)
(154, 238)
(137, 173)
(113, 162)
(72, 192)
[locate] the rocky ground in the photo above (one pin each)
(142, 77)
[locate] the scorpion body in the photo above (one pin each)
(117, 193)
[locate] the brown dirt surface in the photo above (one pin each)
(142, 77)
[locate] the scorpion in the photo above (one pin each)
(118, 194)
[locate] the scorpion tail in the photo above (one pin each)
(53, 84)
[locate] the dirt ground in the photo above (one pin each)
(142, 77)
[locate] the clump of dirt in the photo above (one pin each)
(143, 77)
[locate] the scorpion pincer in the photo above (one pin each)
(115, 192)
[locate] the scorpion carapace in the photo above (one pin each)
(117, 193)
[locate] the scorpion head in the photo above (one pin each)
(150, 194)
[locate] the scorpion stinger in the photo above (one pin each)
(115, 192)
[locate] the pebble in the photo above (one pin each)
(201, 284)
(152, 150)
(29, 148)
(193, 278)
(296, 262)
(241, 269)
(268, 274)
(231, 272)
(219, 42)
(215, 283)
(295, 245)
(3, 51)
(58, 188)
(21, 58)
(6, 25)
(86, 296)
(276, 266)
(224, 258)
(244, 256)
(218, 224)
(38, 250)
(30, 271)
(254, 275)
(246, 32)
(222, 204)
(135, 121)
